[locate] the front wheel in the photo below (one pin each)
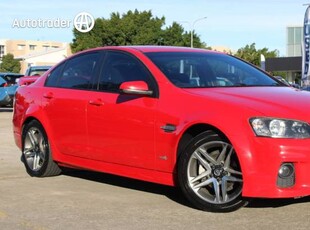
(209, 174)
(36, 153)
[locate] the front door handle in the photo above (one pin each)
(97, 102)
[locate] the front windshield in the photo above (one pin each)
(200, 70)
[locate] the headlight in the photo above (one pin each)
(280, 128)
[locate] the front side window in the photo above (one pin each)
(76, 74)
(199, 70)
(120, 67)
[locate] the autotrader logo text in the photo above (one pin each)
(41, 23)
(83, 22)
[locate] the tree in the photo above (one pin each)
(132, 28)
(175, 35)
(252, 55)
(9, 64)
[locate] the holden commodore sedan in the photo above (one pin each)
(217, 127)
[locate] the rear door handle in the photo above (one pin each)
(97, 102)
(48, 95)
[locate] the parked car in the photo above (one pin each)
(217, 127)
(297, 86)
(8, 86)
(32, 74)
(307, 88)
(36, 70)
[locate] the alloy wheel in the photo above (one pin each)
(214, 174)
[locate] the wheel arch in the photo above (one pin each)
(194, 130)
(28, 120)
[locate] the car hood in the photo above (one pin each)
(285, 102)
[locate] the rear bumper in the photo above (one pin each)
(261, 161)
(17, 138)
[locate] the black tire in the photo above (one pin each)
(36, 153)
(209, 174)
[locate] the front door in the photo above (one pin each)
(121, 127)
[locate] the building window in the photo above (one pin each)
(298, 35)
(1, 51)
(32, 47)
(46, 47)
(293, 39)
(20, 46)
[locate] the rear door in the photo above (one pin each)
(65, 100)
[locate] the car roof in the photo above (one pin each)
(41, 67)
(148, 49)
(3, 74)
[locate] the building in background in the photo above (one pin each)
(292, 63)
(224, 49)
(2, 48)
(293, 41)
(35, 52)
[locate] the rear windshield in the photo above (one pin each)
(37, 72)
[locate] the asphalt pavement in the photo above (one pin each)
(89, 200)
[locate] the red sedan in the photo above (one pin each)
(217, 127)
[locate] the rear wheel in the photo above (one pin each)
(36, 153)
(210, 175)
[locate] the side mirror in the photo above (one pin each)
(135, 88)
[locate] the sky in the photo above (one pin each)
(230, 23)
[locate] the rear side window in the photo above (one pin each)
(76, 73)
(52, 79)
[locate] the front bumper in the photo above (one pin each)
(260, 162)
